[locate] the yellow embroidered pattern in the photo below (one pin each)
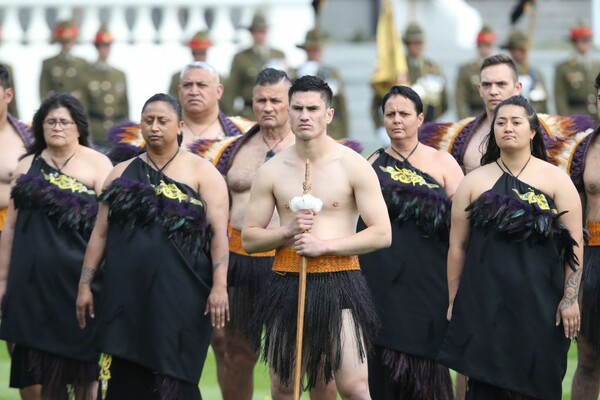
(407, 176)
(105, 363)
(537, 199)
(171, 191)
(65, 182)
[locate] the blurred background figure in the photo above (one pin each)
(534, 86)
(468, 100)
(105, 92)
(63, 72)
(426, 77)
(247, 64)
(574, 91)
(313, 45)
(199, 45)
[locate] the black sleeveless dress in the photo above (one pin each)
(409, 285)
(158, 278)
(56, 214)
(503, 331)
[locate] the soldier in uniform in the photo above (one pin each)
(313, 45)
(63, 72)
(105, 95)
(534, 86)
(425, 78)
(247, 64)
(468, 100)
(199, 45)
(574, 78)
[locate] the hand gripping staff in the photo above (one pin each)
(311, 203)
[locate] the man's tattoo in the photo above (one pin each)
(87, 275)
(571, 290)
(220, 262)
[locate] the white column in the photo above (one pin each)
(195, 22)
(11, 28)
(90, 23)
(117, 24)
(170, 29)
(143, 28)
(38, 30)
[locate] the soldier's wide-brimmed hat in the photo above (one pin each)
(259, 22)
(516, 41)
(64, 31)
(486, 35)
(200, 41)
(314, 40)
(413, 34)
(580, 31)
(103, 36)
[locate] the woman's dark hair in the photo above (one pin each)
(492, 151)
(165, 98)
(52, 102)
(403, 91)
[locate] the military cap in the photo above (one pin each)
(200, 41)
(516, 40)
(259, 22)
(413, 33)
(580, 31)
(486, 35)
(103, 36)
(313, 40)
(64, 31)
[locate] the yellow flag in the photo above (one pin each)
(391, 68)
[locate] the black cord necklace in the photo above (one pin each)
(166, 164)
(510, 172)
(409, 154)
(65, 164)
(271, 151)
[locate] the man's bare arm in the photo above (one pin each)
(256, 237)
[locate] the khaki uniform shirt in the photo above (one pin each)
(63, 73)
(105, 98)
(574, 90)
(244, 69)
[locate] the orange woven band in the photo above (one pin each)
(235, 245)
(594, 228)
(3, 212)
(287, 260)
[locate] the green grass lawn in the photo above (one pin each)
(210, 389)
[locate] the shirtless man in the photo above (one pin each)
(586, 382)
(14, 138)
(499, 81)
(337, 300)
(248, 273)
